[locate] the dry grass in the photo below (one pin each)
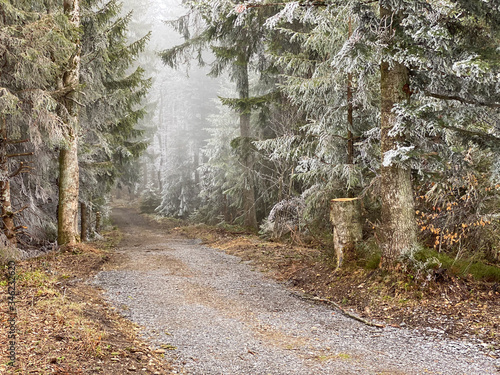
(64, 326)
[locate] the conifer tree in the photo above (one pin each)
(67, 230)
(437, 66)
(114, 92)
(42, 112)
(398, 208)
(35, 43)
(238, 47)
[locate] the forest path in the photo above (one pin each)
(213, 314)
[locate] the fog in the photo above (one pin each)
(178, 104)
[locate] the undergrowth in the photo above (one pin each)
(426, 261)
(458, 266)
(45, 311)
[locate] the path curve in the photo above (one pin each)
(215, 315)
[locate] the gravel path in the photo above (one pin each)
(215, 315)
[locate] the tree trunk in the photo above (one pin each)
(227, 213)
(196, 164)
(68, 194)
(398, 211)
(9, 227)
(97, 222)
(68, 157)
(247, 155)
(350, 111)
(163, 128)
(7, 212)
(345, 216)
(83, 222)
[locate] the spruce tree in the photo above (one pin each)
(36, 43)
(114, 91)
(437, 64)
(67, 230)
(238, 48)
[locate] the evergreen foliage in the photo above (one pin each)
(37, 42)
(35, 46)
(397, 102)
(450, 51)
(326, 62)
(113, 92)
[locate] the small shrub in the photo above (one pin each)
(373, 262)
(149, 201)
(458, 209)
(368, 254)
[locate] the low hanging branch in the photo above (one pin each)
(462, 100)
(19, 155)
(22, 169)
(11, 214)
(20, 210)
(18, 142)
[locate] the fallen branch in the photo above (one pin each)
(336, 305)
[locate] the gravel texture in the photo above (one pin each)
(213, 314)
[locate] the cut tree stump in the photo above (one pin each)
(345, 217)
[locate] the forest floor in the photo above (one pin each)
(441, 304)
(66, 326)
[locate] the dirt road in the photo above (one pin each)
(213, 314)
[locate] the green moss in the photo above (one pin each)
(34, 278)
(459, 267)
(373, 262)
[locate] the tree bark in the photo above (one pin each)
(97, 222)
(84, 226)
(68, 156)
(350, 111)
(398, 207)
(68, 194)
(7, 212)
(247, 159)
(345, 217)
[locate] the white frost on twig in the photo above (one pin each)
(401, 153)
(287, 13)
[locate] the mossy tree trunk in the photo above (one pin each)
(7, 212)
(68, 156)
(398, 207)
